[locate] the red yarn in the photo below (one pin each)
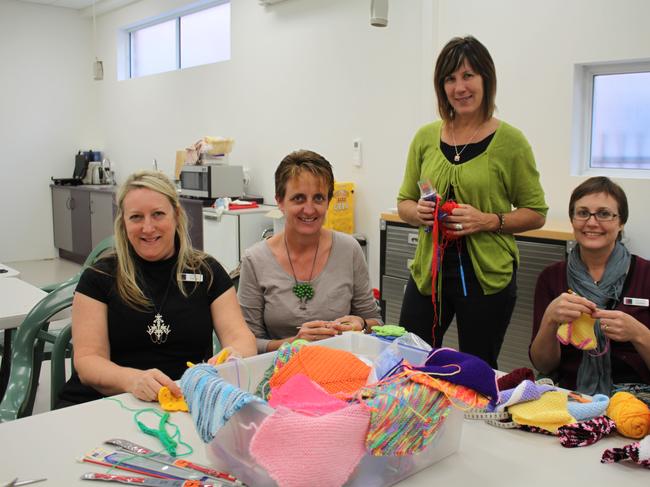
(440, 243)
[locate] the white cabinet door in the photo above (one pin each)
(221, 239)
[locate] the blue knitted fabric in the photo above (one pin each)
(587, 410)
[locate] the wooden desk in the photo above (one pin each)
(47, 445)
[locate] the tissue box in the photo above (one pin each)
(229, 450)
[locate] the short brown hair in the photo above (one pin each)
(451, 58)
(297, 162)
(601, 184)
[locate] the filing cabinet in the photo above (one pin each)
(398, 242)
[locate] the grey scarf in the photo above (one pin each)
(595, 371)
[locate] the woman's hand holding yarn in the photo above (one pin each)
(316, 330)
(145, 384)
(349, 323)
(568, 307)
(466, 220)
(424, 211)
(620, 326)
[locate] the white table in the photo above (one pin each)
(17, 298)
(47, 445)
(6, 271)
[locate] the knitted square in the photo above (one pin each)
(334, 370)
(579, 333)
(526, 391)
(457, 392)
(168, 402)
(315, 451)
(303, 395)
(405, 417)
(548, 412)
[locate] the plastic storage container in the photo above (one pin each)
(229, 450)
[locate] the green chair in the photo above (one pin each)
(30, 341)
(27, 353)
(107, 244)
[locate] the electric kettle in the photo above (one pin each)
(96, 172)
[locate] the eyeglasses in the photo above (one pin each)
(600, 215)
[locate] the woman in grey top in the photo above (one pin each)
(306, 282)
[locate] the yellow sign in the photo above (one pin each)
(340, 214)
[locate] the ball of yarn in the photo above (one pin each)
(632, 416)
(446, 209)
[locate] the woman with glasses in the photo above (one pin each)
(602, 280)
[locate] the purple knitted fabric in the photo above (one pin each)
(526, 391)
(462, 369)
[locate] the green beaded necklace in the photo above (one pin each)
(304, 291)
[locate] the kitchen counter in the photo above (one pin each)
(552, 229)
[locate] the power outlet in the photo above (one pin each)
(356, 152)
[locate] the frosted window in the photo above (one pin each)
(620, 131)
(153, 49)
(205, 36)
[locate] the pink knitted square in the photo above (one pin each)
(301, 394)
(314, 451)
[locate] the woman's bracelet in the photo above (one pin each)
(502, 222)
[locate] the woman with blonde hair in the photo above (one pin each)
(142, 312)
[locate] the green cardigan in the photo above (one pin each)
(503, 176)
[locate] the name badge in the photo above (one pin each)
(636, 302)
(198, 278)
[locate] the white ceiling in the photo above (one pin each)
(85, 6)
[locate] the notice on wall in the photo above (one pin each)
(340, 214)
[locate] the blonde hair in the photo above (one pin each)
(189, 259)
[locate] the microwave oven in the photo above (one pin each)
(212, 181)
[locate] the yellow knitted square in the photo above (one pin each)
(548, 412)
(579, 333)
(169, 402)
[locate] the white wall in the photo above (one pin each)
(304, 74)
(308, 74)
(46, 106)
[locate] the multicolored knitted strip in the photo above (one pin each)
(585, 433)
(405, 416)
(283, 355)
(638, 452)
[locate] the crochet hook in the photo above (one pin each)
(148, 481)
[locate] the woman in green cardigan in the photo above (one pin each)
(488, 168)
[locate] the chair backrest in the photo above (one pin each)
(104, 246)
(27, 351)
(22, 377)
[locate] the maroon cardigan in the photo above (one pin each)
(627, 364)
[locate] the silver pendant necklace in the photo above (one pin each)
(158, 330)
(304, 291)
(457, 156)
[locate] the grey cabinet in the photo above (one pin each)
(82, 217)
(398, 241)
(101, 216)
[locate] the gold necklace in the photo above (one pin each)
(304, 291)
(457, 156)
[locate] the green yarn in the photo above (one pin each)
(389, 330)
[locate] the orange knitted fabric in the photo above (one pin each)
(334, 370)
